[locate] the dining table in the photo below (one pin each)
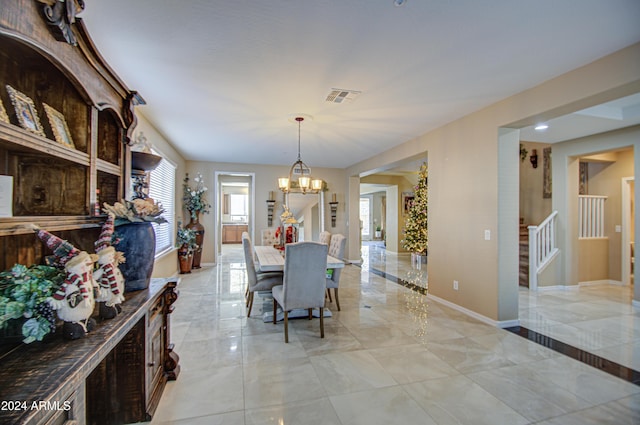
(270, 259)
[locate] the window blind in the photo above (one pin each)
(162, 183)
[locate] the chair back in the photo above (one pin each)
(248, 259)
(325, 238)
(269, 237)
(336, 249)
(304, 281)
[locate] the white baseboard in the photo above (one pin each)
(477, 316)
(558, 288)
(601, 282)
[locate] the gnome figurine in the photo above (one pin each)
(108, 276)
(74, 300)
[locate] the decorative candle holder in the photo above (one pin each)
(270, 205)
(334, 212)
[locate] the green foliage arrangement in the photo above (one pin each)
(415, 233)
(24, 293)
(186, 237)
(193, 199)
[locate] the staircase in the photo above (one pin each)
(523, 275)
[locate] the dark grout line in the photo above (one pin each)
(608, 366)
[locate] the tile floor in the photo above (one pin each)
(392, 357)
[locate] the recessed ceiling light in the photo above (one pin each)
(541, 127)
(399, 3)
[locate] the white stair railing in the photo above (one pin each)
(542, 247)
(591, 216)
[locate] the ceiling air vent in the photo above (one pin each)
(342, 96)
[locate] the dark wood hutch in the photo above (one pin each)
(117, 373)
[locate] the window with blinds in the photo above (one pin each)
(162, 182)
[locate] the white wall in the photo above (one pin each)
(167, 264)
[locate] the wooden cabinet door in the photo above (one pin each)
(155, 348)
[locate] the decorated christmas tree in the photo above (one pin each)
(415, 231)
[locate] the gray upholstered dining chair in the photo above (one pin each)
(257, 281)
(303, 284)
(325, 237)
(336, 249)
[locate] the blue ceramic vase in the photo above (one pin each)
(138, 243)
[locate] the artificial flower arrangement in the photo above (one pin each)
(193, 199)
(24, 294)
(186, 237)
(136, 211)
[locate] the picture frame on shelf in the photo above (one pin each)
(3, 113)
(25, 111)
(59, 127)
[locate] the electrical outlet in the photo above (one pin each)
(455, 285)
(487, 235)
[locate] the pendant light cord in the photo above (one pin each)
(299, 119)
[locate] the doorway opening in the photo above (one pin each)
(234, 208)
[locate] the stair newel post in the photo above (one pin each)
(533, 258)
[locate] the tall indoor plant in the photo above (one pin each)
(195, 202)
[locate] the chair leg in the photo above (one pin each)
(275, 307)
(321, 322)
(250, 301)
(286, 325)
(329, 294)
(335, 294)
(310, 310)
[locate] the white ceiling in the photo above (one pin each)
(223, 79)
(619, 113)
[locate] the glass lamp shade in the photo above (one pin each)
(316, 184)
(304, 181)
(283, 183)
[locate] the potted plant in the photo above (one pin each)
(378, 233)
(24, 300)
(194, 201)
(186, 243)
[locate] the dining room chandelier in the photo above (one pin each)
(304, 183)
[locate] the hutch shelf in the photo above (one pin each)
(69, 155)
